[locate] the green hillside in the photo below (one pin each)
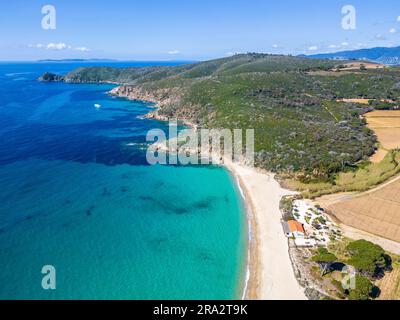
(291, 102)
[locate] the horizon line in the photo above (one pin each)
(309, 54)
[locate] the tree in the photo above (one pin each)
(367, 257)
(363, 289)
(325, 259)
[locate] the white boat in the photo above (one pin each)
(97, 106)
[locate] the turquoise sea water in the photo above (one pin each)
(77, 193)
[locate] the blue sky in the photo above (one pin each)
(191, 29)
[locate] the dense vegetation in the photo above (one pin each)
(360, 177)
(291, 102)
(325, 259)
(363, 290)
(370, 262)
(368, 258)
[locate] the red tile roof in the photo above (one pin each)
(295, 226)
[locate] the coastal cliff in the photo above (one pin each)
(160, 97)
(168, 102)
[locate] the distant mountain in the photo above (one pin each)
(388, 56)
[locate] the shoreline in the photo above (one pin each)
(247, 277)
(269, 273)
(268, 262)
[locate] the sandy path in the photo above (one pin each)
(356, 234)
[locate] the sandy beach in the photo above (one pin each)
(271, 276)
(270, 272)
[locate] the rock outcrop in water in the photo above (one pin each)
(51, 77)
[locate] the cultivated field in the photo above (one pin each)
(358, 100)
(376, 211)
(390, 284)
(356, 65)
(386, 125)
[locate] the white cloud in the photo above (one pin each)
(393, 30)
(57, 46)
(380, 37)
(173, 52)
(344, 44)
(275, 46)
(313, 48)
(398, 18)
(83, 49)
(38, 46)
(333, 46)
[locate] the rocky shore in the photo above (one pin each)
(161, 97)
(168, 103)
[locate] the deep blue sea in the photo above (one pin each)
(77, 193)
